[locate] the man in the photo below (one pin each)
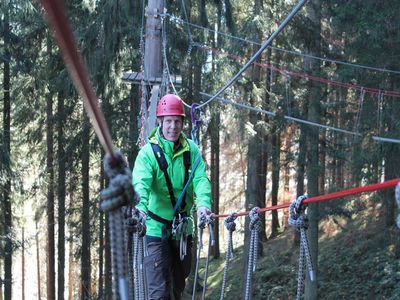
(162, 169)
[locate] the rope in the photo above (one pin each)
(372, 91)
(335, 195)
(209, 221)
(195, 123)
(254, 227)
(58, 21)
(359, 110)
(380, 112)
(202, 225)
(297, 53)
(258, 53)
(299, 220)
(119, 194)
(301, 121)
(231, 226)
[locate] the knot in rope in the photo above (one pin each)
(135, 222)
(297, 217)
(230, 222)
(299, 220)
(397, 194)
(255, 221)
(255, 227)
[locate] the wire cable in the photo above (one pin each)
(255, 56)
(297, 53)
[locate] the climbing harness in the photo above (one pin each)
(299, 220)
(231, 226)
(115, 198)
(179, 230)
(255, 227)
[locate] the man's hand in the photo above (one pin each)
(202, 211)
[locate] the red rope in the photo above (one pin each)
(340, 194)
(58, 21)
(372, 91)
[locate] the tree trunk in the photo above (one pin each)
(6, 201)
(276, 165)
(215, 121)
(23, 264)
(61, 197)
(51, 289)
(100, 291)
(39, 295)
(314, 97)
(85, 218)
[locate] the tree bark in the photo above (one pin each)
(61, 196)
(6, 188)
(85, 217)
(51, 289)
(38, 273)
(314, 97)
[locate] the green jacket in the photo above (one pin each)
(149, 181)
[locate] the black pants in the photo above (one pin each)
(165, 272)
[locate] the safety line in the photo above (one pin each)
(372, 91)
(58, 21)
(297, 53)
(255, 56)
(302, 121)
(335, 195)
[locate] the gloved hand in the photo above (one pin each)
(202, 211)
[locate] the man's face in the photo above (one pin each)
(172, 127)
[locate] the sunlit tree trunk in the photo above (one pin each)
(38, 265)
(51, 289)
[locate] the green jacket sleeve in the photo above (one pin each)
(201, 182)
(142, 178)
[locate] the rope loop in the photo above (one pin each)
(229, 222)
(297, 217)
(299, 220)
(255, 221)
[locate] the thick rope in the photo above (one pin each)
(231, 226)
(119, 194)
(202, 225)
(298, 219)
(255, 227)
(210, 223)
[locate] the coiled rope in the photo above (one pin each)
(299, 220)
(230, 224)
(119, 194)
(254, 227)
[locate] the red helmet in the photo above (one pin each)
(170, 105)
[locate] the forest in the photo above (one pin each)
(315, 113)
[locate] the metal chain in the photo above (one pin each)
(231, 226)
(299, 220)
(254, 227)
